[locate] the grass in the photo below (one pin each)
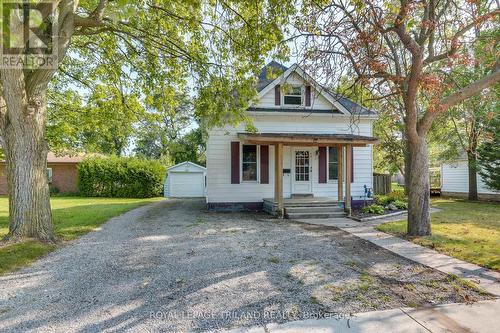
(72, 217)
(465, 230)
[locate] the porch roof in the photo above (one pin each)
(307, 139)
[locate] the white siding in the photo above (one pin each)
(220, 189)
(455, 178)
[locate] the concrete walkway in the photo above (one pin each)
(477, 317)
(486, 279)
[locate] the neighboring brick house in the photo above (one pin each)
(61, 170)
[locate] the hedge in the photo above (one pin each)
(120, 177)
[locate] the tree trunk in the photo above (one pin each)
(471, 162)
(26, 160)
(418, 189)
(407, 166)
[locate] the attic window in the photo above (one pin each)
(293, 96)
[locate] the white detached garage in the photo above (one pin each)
(185, 180)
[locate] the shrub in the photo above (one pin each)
(373, 209)
(383, 200)
(400, 204)
(391, 197)
(53, 190)
(120, 177)
(398, 195)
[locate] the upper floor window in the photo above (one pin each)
(249, 163)
(292, 96)
(333, 163)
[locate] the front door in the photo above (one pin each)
(302, 171)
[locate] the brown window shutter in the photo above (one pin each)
(264, 164)
(352, 164)
(322, 165)
(308, 95)
(235, 162)
(277, 95)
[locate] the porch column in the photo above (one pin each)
(348, 174)
(278, 178)
(340, 177)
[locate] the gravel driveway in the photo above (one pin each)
(171, 266)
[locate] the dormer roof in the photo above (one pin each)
(274, 73)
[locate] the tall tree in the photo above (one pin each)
(489, 154)
(469, 122)
(190, 147)
(169, 114)
(470, 117)
(399, 48)
(102, 123)
(203, 39)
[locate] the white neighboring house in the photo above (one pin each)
(319, 139)
(185, 180)
(455, 181)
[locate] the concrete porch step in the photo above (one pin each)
(314, 212)
(311, 203)
(315, 209)
(303, 208)
(299, 195)
(312, 215)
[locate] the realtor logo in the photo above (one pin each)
(28, 36)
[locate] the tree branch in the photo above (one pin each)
(459, 96)
(455, 46)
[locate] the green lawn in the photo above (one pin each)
(466, 230)
(72, 216)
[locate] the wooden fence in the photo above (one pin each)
(381, 183)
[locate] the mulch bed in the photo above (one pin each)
(357, 214)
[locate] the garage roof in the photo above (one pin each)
(186, 167)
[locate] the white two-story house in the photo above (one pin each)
(310, 146)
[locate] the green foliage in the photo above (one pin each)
(391, 197)
(489, 154)
(398, 195)
(162, 133)
(103, 122)
(383, 200)
(373, 209)
(191, 147)
(53, 190)
(468, 121)
(169, 114)
(400, 204)
(129, 78)
(120, 177)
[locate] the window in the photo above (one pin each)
(249, 163)
(333, 163)
(293, 96)
(49, 175)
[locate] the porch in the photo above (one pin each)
(301, 171)
(306, 207)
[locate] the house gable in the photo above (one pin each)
(314, 97)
